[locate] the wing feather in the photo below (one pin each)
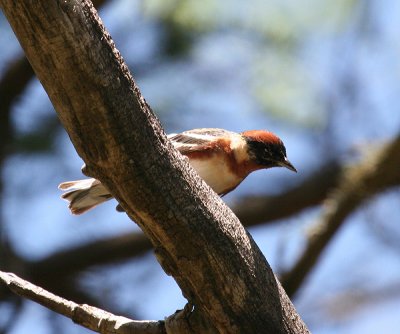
(196, 139)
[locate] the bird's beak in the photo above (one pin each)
(286, 163)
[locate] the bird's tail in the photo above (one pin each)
(84, 195)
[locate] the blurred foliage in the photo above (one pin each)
(279, 21)
(286, 89)
(276, 30)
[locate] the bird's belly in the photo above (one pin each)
(217, 174)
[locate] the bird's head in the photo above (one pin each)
(266, 149)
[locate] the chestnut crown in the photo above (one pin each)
(267, 149)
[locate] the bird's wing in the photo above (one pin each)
(196, 139)
(198, 136)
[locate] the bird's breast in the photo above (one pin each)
(216, 172)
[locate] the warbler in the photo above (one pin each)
(222, 158)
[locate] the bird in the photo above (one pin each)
(222, 158)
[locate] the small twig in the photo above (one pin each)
(88, 316)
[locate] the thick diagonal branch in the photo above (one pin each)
(197, 238)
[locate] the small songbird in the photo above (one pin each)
(222, 158)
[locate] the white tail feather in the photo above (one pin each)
(84, 195)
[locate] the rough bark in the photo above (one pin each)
(197, 239)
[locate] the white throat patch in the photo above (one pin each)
(239, 148)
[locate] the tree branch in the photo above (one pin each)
(99, 252)
(14, 80)
(87, 316)
(378, 171)
(63, 264)
(197, 238)
(255, 210)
